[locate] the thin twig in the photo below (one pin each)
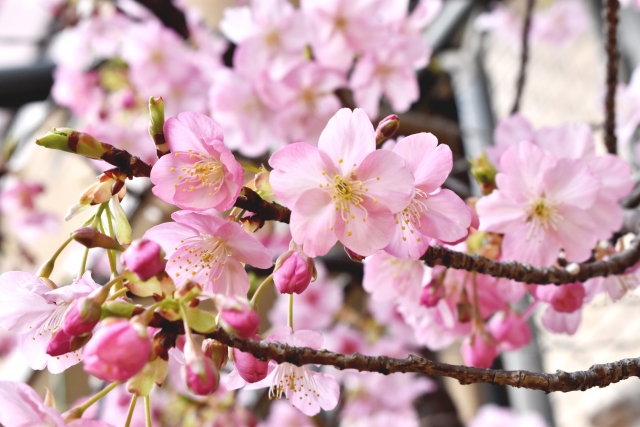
(524, 56)
(596, 376)
(611, 24)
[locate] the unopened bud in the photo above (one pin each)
(156, 125)
(249, 368)
(72, 141)
(484, 173)
(82, 317)
(199, 372)
(387, 128)
(144, 258)
(294, 271)
(431, 295)
(238, 317)
(62, 343)
(217, 351)
(92, 238)
(46, 269)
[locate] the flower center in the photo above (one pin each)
(542, 213)
(349, 195)
(409, 219)
(272, 38)
(205, 172)
(293, 379)
(202, 253)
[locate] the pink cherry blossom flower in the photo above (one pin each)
(269, 35)
(19, 194)
(496, 416)
(200, 173)
(616, 286)
(341, 28)
(144, 258)
(433, 213)
(564, 299)
(316, 307)
(28, 409)
(248, 123)
(387, 277)
(510, 330)
(31, 309)
(342, 339)
(304, 100)
(509, 131)
(541, 206)
(560, 23)
(282, 414)
(307, 390)
(199, 372)
(561, 322)
(628, 108)
(248, 369)
(388, 70)
(343, 190)
(208, 250)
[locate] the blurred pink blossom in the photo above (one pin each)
(495, 416)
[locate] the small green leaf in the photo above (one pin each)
(123, 228)
(143, 288)
(200, 321)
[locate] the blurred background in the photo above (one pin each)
(469, 85)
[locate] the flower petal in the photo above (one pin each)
(245, 248)
(191, 131)
(447, 219)
(569, 181)
(366, 237)
(429, 162)
(20, 309)
(297, 168)
(312, 219)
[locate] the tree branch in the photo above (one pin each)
(524, 56)
(611, 23)
(596, 376)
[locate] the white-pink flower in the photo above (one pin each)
(541, 206)
(307, 390)
(209, 250)
(433, 213)
(33, 310)
(344, 189)
(270, 35)
(200, 172)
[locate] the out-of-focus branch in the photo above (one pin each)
(596, 376)
(611, 24)
(524, 56)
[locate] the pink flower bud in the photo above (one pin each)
(294, 273)
(217, 351)
(510, 330)
(239, 318)
(567, 298)
(387, 128)
(82, 317)
(249, 368)
(431, 295)
(62, 343)
(92, 238)
(199, 372)
(479, 350)
(144, 258)
(118, 351)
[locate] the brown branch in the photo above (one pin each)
(524, 56)
(611, 22)
(264, 211)
(595, 376)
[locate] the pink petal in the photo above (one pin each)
(536, 250)
(409, 248)
(232, 281)
(561, 323)
(245, 248)
(523, 167)
(498, 213)
(312, 217)
(201, 222)
(366, 237)
(20, 309)
(608, 214)
(570, 140)
(237, 24)
(191, 131)
(429, 162)
(614, 174)
(307, 338)
(169, 235)
(447, 219)
(570, 182)
(401, 89)
(512, 130)
(348, 138)
(387, 179)
(26, 407)
(297, 168)
(576, 234)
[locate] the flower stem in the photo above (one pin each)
(187, 329)
(290, 320)
(118, 294)
(132, 407)
(99, 395)
(46, 268)
(250, 168)
(83, 264)
(477, 317)
(147, 411)
(110, 253)
(260, 288)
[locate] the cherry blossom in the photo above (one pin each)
(307, 390)
(343, 190)
(433, 213)
(270, 34)
(28, 409)
(32, 309)
(200, 173)
(208, 250)
(545, 201)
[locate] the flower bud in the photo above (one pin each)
(62, 343)
(510, 330)
(484, 173)
(145, 258)
(479, 350)
(431, 295)
(109, 183)
(82, 317)
(217, 351)
(199, 372)
(249, 368)
(387, 128)
(92, 238)
(72, 141)
(156, 125)
(294, 271)
(117, 351)
(238, 317)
